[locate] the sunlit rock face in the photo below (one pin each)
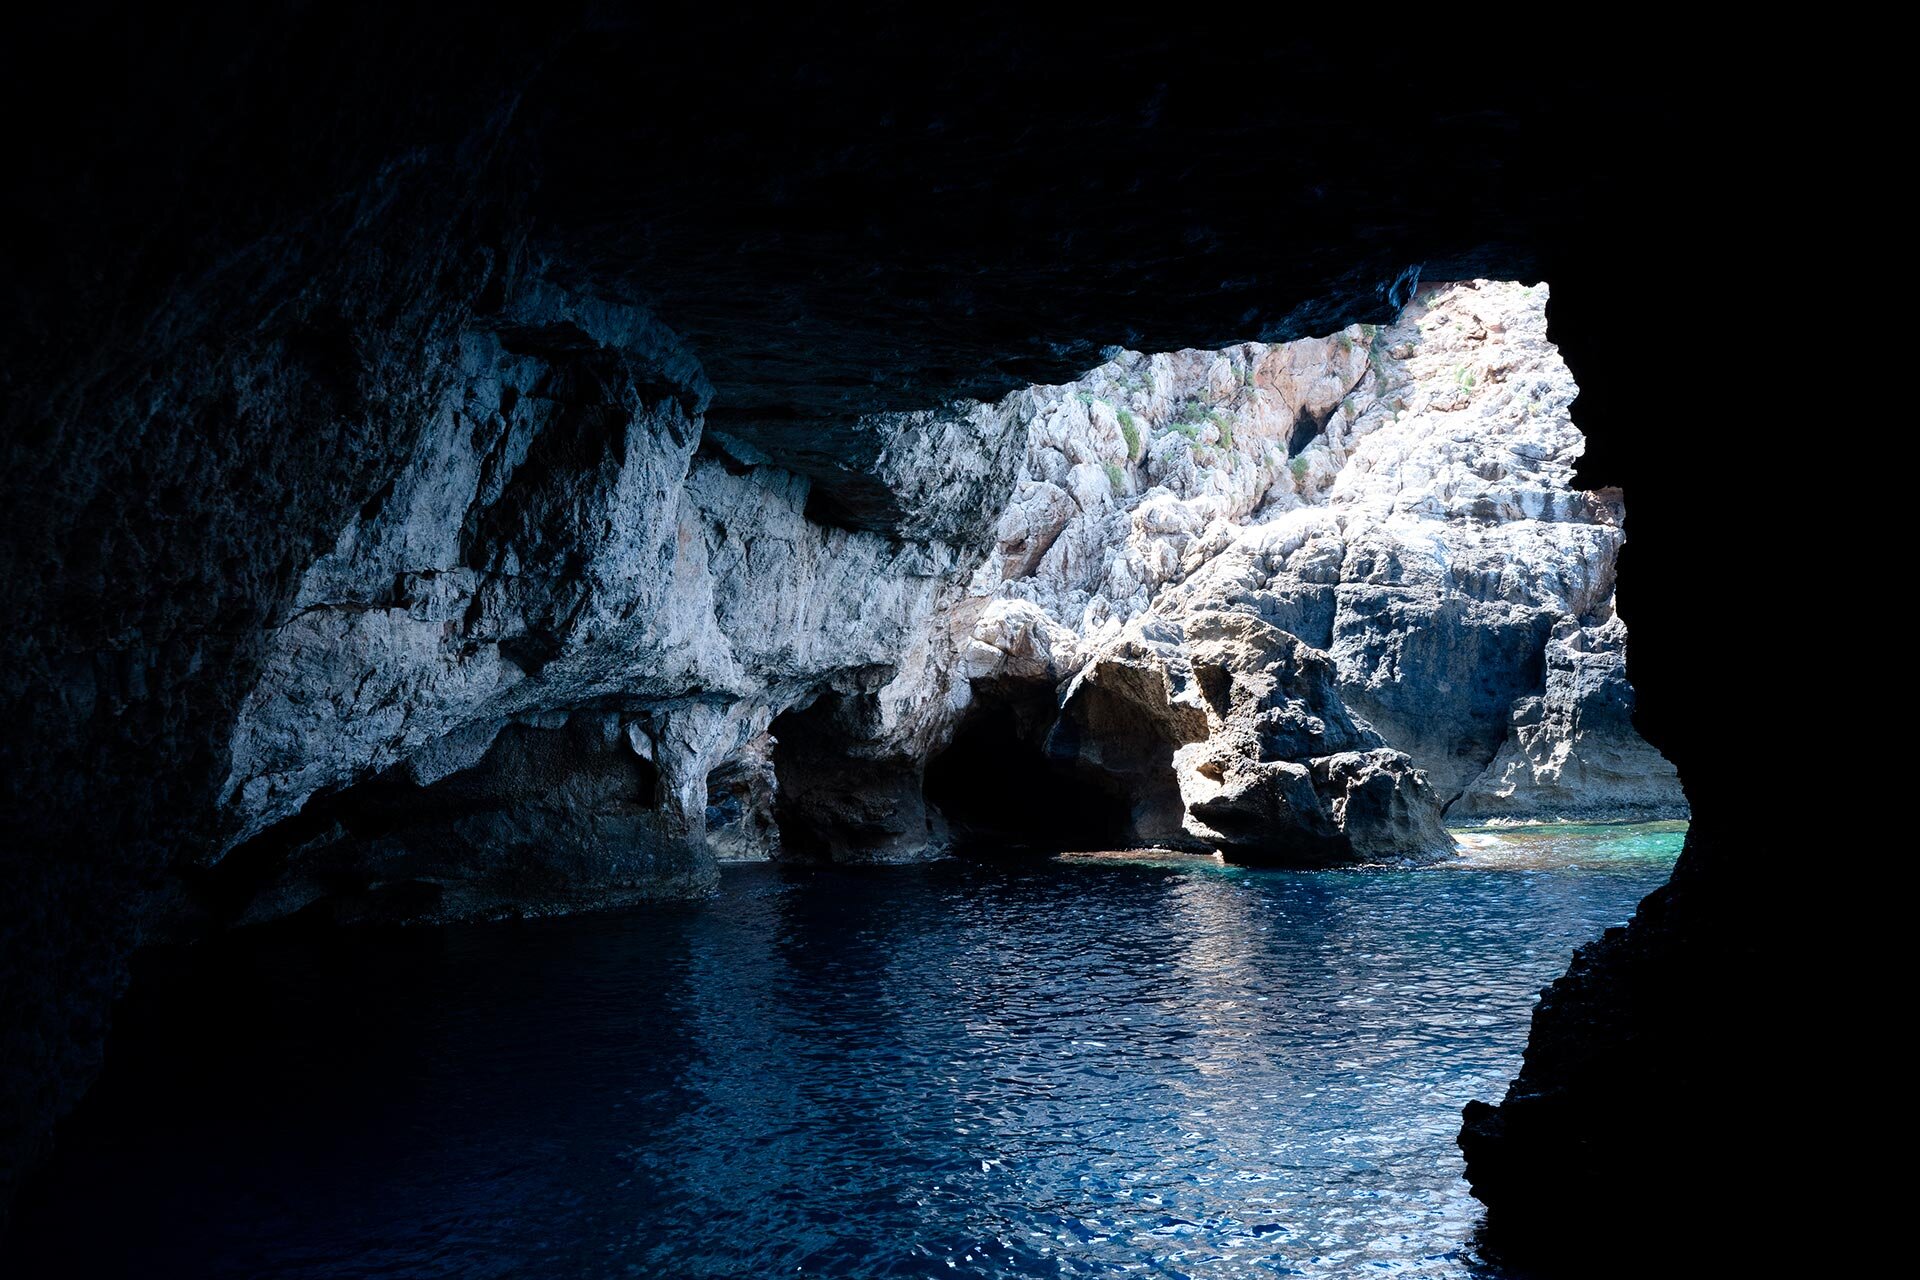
(561, 551)
(1285, 773)
(1400, 498)
(1286, 601)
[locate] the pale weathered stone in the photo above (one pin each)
(1401, 497)
(1397, 503)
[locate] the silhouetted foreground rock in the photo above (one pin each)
(1627, 1141)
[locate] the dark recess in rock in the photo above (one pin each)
(835, 801)
(1305, 429)
(242, 249)
(998, 785)
(546, 810)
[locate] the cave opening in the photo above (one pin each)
(804, 750)
(997, 783)
(838, 795)
(1307, 427)
(320, 464)
(740, 805)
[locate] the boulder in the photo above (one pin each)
(1285, 773)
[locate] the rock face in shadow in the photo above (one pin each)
(1643, 1094)
(278, 276)
(845, 791)
(559, 813)
(1122, 721)
(1571, 752)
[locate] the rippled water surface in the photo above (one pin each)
(1090, 1066)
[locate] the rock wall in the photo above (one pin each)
(1288, 601)
(1571, 751)
(1398, 497)
(217, 348)
(563, 548)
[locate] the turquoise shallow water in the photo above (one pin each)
(1088, 1065)
(1571, 848)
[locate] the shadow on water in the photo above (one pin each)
(1039, 1066)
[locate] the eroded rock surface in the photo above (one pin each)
(1571, 751)
(1400, 499)
(1286, 601)
(1286, 773)
(559, 545)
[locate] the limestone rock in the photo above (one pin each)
(1368, 546)
(740, 793)
(1571, 752)
(1122, 718)
(846, 791)
(1220, 731)
(558, 814)
(560, 545)
(1400, 497)
(1285, 773)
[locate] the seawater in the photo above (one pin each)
(1086, 1065)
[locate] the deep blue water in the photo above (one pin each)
(1086, 1066)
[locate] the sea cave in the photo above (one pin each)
(709, 645)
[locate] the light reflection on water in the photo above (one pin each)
(1154, 1064)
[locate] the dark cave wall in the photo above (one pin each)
(1643, 1111)
(229, 313)
(245, 248)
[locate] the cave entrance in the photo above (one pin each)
(843, 793)
(740, 803)
(997, 785)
